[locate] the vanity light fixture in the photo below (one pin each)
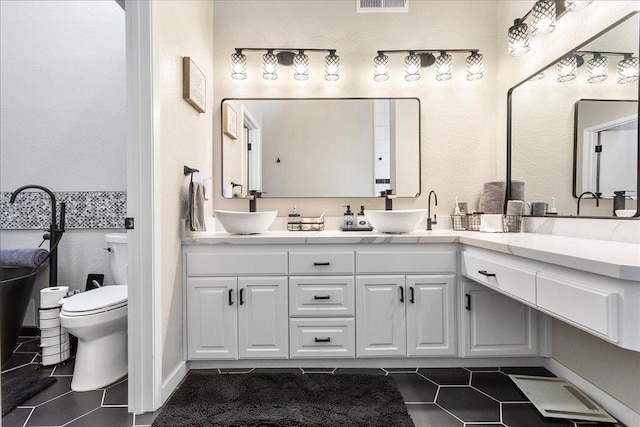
(275, 57)
(518, 38)
(567, 68)
(573, 5)
(238, 65)
(421, 58)
(598, 68)
(627, 69)
(543, 17)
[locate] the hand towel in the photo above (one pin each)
(517, 190)
(24, 258)
(196, 207)
(492, 197)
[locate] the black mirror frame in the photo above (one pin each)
(509, 127)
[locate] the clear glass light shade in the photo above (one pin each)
(543, 17)
(300, 66)
(598, 68)
(238, 66)
(332, 67)
(628, 69)
(475, 66)
(269, 66)
(573, 5)
(381, 68)
(567, 68)
(443, 67)
(518, 38)
(412, 67)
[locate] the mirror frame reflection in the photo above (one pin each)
(231, 189)
(509, 154)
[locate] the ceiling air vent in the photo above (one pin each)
(365, 6)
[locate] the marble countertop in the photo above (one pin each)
(609, 258)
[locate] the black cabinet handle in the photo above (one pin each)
(322, 339)
(412, 295)
(467, 304)
(322, 297)
(484, 273)
(321, 263)
(230, 296)
(401, 293)
(241, 296)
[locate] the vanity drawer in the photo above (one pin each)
(585, 307)
(322, 338)
(233, 263)
(501, 274)
(321, 296)
(404, 262)
(321, 262)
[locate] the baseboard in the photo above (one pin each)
(616, 408)
(172, 382)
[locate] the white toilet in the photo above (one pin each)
(98, 318)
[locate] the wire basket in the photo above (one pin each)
(470, 222)
(512, 223)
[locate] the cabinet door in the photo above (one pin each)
(496, 325)
(430, 315)
(212, 327)
(380, 316)
(263, 318)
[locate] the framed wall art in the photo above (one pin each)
(229, 121)
(193, 85)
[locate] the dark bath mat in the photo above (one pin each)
(17, 390)
(285, 400)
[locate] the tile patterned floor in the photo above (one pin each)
(435, 397)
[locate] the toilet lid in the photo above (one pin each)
(103, 298)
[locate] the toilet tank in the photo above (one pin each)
(118, 256)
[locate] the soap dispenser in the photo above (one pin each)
(348, 221)
(362, 219)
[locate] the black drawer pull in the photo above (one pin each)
(401, 294)
(322, 297)
(322, 339)
(485, 273)
(468, 302)
(412, 295)
(230, 296)
(241, 296)
(321, 263)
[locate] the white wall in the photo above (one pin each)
(62, 115)
(186, 29)
(458, 123)
(570, 346)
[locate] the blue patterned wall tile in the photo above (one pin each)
(85, 209)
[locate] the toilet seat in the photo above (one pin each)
(95, 301)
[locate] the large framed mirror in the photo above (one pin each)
(568, 134)
(328, 147)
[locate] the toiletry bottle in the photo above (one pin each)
(362, 219)
(348, 221)
(293, 224)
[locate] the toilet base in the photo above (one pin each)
(100, 362)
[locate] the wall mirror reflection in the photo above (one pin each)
(323, 147)
(550, 113)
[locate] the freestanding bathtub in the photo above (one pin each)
(16, 284)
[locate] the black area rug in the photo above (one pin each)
(17, 390)
(285, 400)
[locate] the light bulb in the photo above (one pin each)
(412, 67)
(543, 17)
(443, 67)
(300, 66)
(381, 68)
(475, 66)
(269, 66)
(518, 38)
(332, 67)
(238, 65)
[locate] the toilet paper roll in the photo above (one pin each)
(49, 297)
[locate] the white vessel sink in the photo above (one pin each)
(246, 222)
(625, 213)
(401, 221)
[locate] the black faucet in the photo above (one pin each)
(253, 196)
(388, 199)
(429, 221)
(595, 196)
(55, 232)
